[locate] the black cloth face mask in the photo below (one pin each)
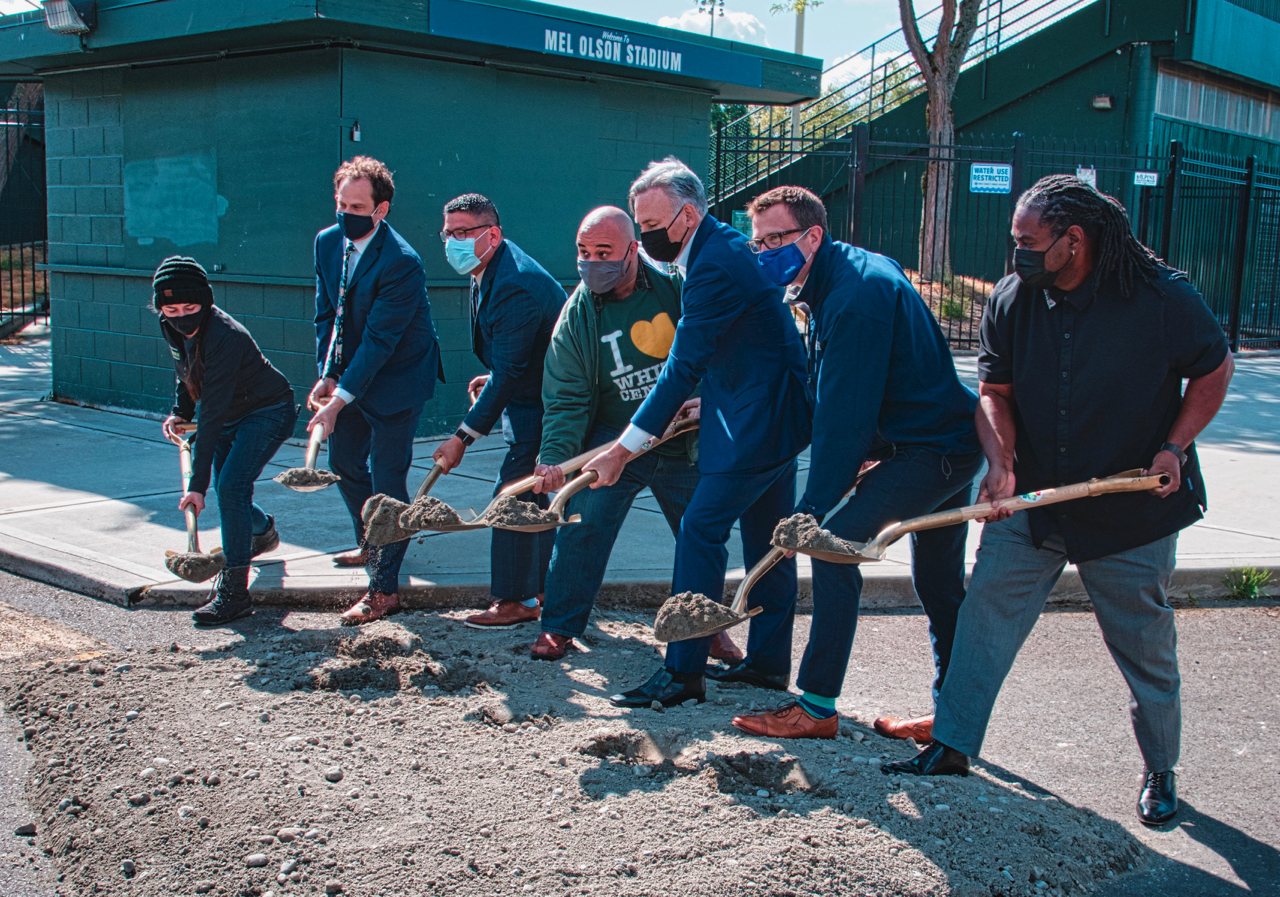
(659, 246)
(355, 226)
(186, 324)
(1028, 264)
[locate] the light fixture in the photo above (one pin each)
(1102, 101)
(70, 16)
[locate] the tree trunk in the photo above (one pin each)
(939, 185)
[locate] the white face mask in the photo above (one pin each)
(461, 254)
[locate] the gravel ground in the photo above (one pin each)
(468, 769)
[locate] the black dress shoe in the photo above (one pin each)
(935, 760)
(664, 688)
(1158, 802)
(748, 675)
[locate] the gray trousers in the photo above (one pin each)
(1010, 585)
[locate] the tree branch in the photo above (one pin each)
(942, 44)
(915, 43)
(958, 45)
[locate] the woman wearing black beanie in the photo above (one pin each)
(245, 410)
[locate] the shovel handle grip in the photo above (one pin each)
(432, 476)
(313, 447)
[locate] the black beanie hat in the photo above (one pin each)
(179, 280)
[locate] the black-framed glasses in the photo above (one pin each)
(774, 240)
(460, 233)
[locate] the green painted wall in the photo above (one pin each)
(232, 162)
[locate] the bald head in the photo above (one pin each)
(608, 234)
(607, 222)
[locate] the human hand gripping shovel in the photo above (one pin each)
(307, 478)
(802, 534)
(191, 565)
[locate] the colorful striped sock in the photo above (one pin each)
(817, 706)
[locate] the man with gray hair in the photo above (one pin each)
(738, 340)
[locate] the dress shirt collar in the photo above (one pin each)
(682, 260)
(363, 243)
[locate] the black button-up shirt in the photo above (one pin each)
(1097, 382)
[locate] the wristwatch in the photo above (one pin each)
(467, 439)
(1176, 451)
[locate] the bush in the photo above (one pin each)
(1246, 582)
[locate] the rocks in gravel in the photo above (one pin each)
(332, 887)
(140, 799)
(288, 866)
(333, 774)
(213, 779)
(128, 867)
(26, 830)
(256, 860)
(204, 887)
(290, 834)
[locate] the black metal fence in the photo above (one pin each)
(1218, 218)
(24, 285)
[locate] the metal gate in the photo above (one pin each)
(24, 285)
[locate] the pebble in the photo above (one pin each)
(55, 761)
(289, 834)
(147, 773)
(131, 716)
(656, 705)
(128, 868)
(186, 812)
(204, 887)
(124, 668)
(849, 806)
(332, 887)
(264, 717)
(225, 705)
(333, 774)
(97, 669)
(942, 807)
(762, 793)
(256, 860)
(29, 733)
(415, 764)
(140, 799)
(643, 772)
(26, 830)
(288, 866)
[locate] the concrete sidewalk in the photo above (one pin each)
(88, 502)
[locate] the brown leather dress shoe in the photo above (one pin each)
(920, 728)
(371, 606)
(550, 646)
(788, 721)
(505, 615)
(723, 648)
(359, 557)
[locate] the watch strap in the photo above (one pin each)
(1176, 451)
(467, 438)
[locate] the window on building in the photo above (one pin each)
(1215, 102)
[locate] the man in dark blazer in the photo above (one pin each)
(737, 338)
(886, 390)
(378, 359)
(514, 305)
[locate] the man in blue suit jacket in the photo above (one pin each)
(514, 306)
(378, 360)
(886, 390)
(738, 339)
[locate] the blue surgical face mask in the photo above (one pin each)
(461, 254)
(782, 265)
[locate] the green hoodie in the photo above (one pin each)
(577, 392)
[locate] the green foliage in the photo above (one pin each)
(1246, 582)
(953, 308)
(795, 6)
(723, 113)
(6, 263)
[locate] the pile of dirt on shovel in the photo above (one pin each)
(381, 516)
(689, 615)
(428, 513)
(195, 567)
(305, 476)
(510, 511)
(803, 531)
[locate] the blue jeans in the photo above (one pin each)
(914, 482)
(1010, 585)
(243, 450)
(582, 550)
(372, 453)
(758, 499)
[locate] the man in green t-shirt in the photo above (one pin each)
(607, 349)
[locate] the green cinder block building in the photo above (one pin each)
(213, 129)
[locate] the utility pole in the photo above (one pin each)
(710, 7)
(795, 109)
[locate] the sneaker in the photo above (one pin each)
(269, 540)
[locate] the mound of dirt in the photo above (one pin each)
(510, 511)
(802, 531)
(381, 515)
(195, 567)
(381, 639)
(428, 513)
(744, 773)
(305, 476)
(689, 615)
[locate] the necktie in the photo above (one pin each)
(475, 315)
(333, 358)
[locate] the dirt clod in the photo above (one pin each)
(381, 515)
(803, 531)
(194, 567)
(296, 477)
(428, 513)
(689, 615)
(510, 511)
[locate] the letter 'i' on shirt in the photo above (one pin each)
(635, 339)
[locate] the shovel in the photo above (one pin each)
(192, 565)
(307, 478)
(858, 553)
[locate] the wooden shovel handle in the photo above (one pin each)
(1129, 481)
(432, 476)
(313, 447)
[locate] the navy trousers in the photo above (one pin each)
(757, 499)
(372, 453)
(914, 482)
(518, 561)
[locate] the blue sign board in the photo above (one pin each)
(641, 53)
(990, 178)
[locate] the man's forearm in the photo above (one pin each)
(996, 429)
(1200, 403)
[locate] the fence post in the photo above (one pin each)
(859, 147)
(718, 192)
(1015, 190)
(1172, 202)
(1244, 216)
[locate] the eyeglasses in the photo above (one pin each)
(460, 233)
(773, 241)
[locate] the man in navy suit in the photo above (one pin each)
(738, 339)
(886, 389)
(514, 306)
(378, 359)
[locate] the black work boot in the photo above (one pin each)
(269, 540)
(228, 599)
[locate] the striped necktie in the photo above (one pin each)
(333, 358)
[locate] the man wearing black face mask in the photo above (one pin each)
(1083, 354)
(378, 359)
(609, 345)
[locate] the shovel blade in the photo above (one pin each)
(712, 630)
(194, 567)
(839, 557)
(540, 527)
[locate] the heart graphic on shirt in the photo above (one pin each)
(654, 338)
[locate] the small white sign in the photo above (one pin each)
(990, 178)
(1088, 175)
(1146, 179)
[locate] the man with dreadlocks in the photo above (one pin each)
(1083, 354)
